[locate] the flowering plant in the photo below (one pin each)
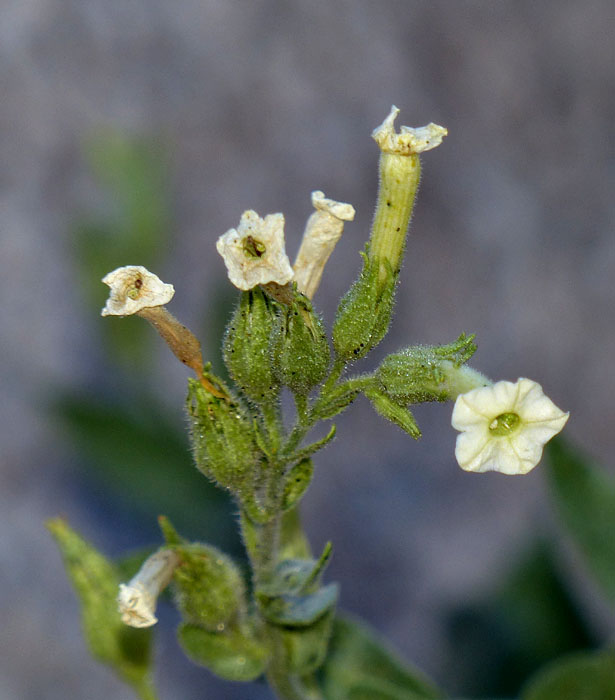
(282, 622)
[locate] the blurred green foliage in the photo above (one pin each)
(360, 667)
(122, 434)
(584, 498)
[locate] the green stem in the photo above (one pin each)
(336, 373)
(146, 691)
(285, 685)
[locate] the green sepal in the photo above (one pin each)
(335, 401)
(208, 586)
(170, 534)
(248, 345)
(313, 447)
(299, 610)
(296, 576)
(426, 372)
(305, 648)
(222, 437)
(96, 581)
(301, 347)
(297, 481)
(233, 654)
(392, 411)
(364, 313)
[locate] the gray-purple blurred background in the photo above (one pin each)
(257, 103)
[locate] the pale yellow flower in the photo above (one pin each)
(504, 427)
(254, 252)
(137, 599)
(133, 288)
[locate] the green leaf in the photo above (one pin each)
(579, 677)
(95, 579)
(232, 654)
(585, 500)
(359, 664)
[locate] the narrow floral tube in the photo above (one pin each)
(322, 232)
(504, 427)
(137, 599)
(400, 172)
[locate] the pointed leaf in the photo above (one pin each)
(358, 663)
(585, 499)
(578, 677)
(125, 649)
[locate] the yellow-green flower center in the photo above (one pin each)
(504, 424)
(135, 290)
(253, 248)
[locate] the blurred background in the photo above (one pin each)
(137, 133)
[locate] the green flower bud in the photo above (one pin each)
(430, 373)
(247, 345)
(209, 589)
(364, 313)
(301, 349)
(234, 654)
(222, 439)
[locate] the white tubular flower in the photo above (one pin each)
(137, 599)
(134, 288)
(322, 231)
(504, 427)
(254, 252)
(409, 140)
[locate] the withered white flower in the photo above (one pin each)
(409, 140)
(133, 288)
(254, 252)
(504, 426)
(137, 599)
(322, 231)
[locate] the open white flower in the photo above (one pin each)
(137, 599)
(505, 426)
(133, 288)
(254, 252)
(322, 231)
